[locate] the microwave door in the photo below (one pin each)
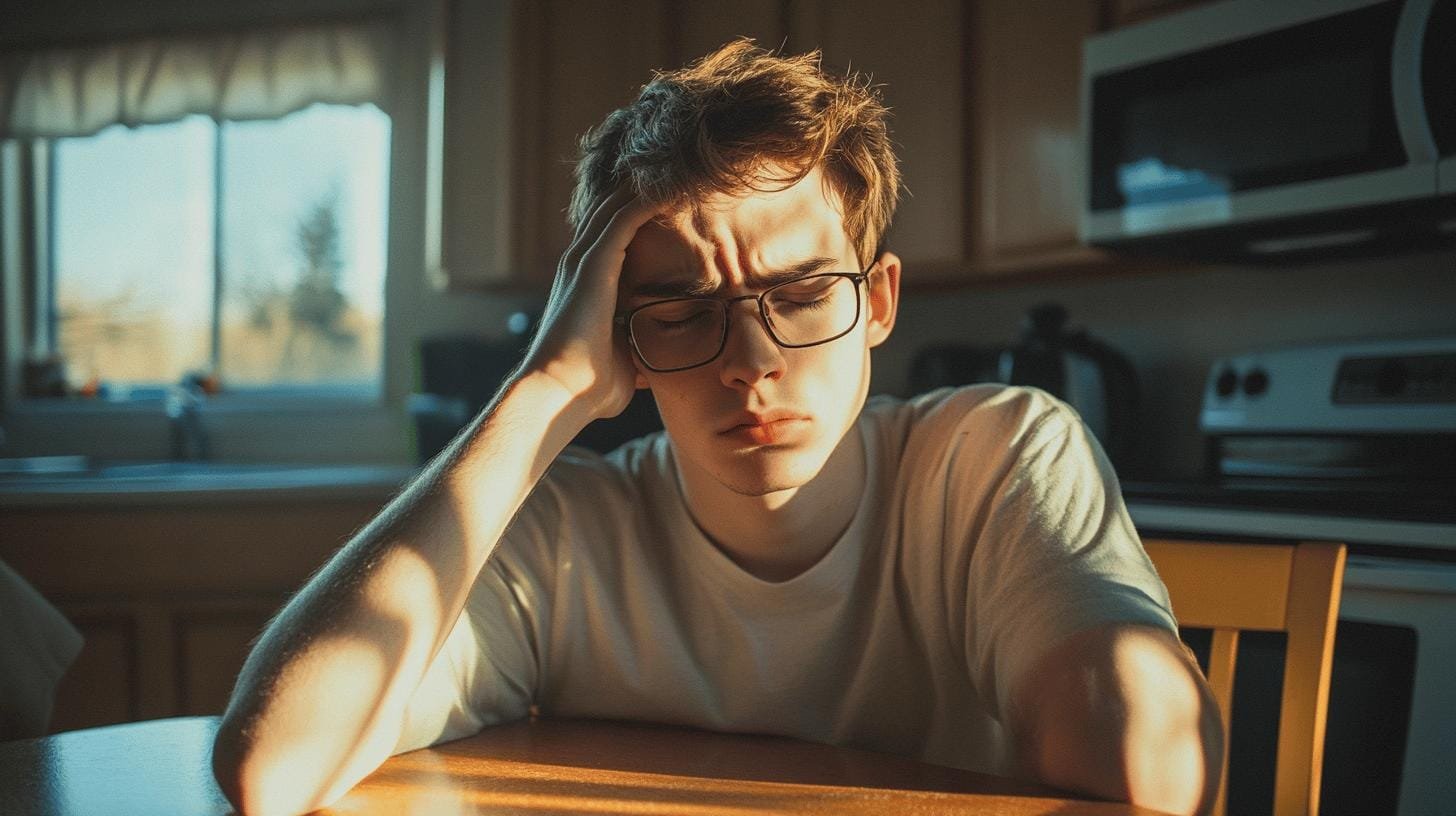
(1305, 116)
(1438, 77)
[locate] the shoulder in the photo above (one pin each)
(977, 419)
(582, 472)
(602, 488)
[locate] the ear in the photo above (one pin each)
(882, 298)
(640, 381)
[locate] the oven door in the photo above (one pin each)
(1402, 604)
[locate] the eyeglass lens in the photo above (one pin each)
(689, 332)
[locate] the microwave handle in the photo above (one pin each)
(1405, 81)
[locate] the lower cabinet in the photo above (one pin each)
(149, 658)
(168, 599)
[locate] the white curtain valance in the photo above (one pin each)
(252, 74)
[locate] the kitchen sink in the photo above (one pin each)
(87, 475)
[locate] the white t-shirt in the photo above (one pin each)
(991, 526)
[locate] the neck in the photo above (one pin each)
(777, 536)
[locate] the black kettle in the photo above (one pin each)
(1090, 375)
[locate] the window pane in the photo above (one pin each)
(304, 237)
(133, 252)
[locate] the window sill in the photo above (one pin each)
(151, 401)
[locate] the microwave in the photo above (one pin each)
(1251, 130)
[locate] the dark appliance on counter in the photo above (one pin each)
(460, 374)
(1271, 130)
(1352, 442)
(1090, 375)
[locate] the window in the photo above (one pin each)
(253, 250)
(209, 201)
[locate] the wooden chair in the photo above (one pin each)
(1291, 588)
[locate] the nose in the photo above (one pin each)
(749, 352)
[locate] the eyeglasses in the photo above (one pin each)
(683, 333)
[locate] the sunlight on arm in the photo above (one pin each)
(1121, 712)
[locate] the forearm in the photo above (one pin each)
(321, 699)
(1123, 713)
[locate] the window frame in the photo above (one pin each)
(43, 200)
(257, 420)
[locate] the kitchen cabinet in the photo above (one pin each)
(916, 55)
(469, 219)
(1026, 150)
(985, 99)
(169, 598)
(578, 62)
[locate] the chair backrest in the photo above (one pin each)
(1291, 588)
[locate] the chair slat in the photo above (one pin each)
(1314, 603)
(1222, 656)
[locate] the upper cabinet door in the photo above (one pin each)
(518, 84)
(700, 28)
(915, 53)
(469, 142)
(1025, 97)
(576, 63)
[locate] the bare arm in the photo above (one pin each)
(1122, 712)
(321, 700)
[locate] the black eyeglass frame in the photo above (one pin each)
(624, 319)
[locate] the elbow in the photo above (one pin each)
(1135, 724)
(246, 779)
(1174, 763)
(235, 769)
(1167, 758)
(227, 767)
(267, 771)
(1174, 746)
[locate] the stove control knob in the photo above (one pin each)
(1256, 382)
(1227, 383)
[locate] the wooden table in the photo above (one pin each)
(161, 767)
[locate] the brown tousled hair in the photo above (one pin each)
(717, 125)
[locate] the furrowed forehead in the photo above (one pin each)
(692, 285)
(760, 239)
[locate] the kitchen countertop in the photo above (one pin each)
(149, 483)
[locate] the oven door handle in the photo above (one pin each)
(1399, 575)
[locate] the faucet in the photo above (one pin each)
(184, 420)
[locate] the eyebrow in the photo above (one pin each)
(703, 288)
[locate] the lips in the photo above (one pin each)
(766, 428)
(753, 419)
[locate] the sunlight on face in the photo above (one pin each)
(730, 246)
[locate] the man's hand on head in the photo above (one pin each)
(578, 345)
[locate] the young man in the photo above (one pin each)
(952, 578)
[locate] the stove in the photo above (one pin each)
(1356, 443)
